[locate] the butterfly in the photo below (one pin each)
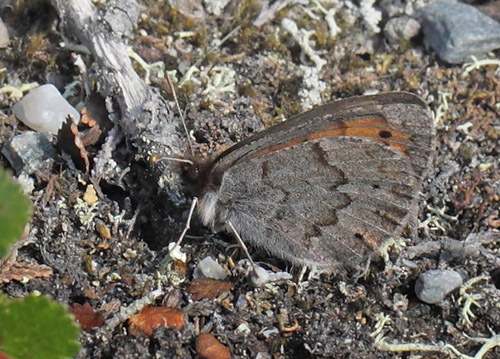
(326, 188)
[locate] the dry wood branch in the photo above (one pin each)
(145, 118)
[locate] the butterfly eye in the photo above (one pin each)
(193, 173)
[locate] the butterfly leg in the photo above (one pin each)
(188, 224)
(260, 276)
(233, 230)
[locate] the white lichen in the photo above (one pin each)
(302, 37)
(189, 76)
(477, 64)
(329, 15)
(159, 66)
(371, 16)
(312, 89)
(433, 220)
(442, 108)
(219, 80)
(85, 213)
(469, 300)
(16, 93)
(215, 7)
(175, 252)
(380, 343)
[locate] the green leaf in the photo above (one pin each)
(4, 301)
(14, 212)
(37, 328)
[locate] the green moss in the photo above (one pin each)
(247, 89)
(246, 11)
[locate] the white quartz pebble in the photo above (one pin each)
(4, 35)
(44, 109)
(209, 268)
(262, 276)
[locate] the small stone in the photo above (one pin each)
(44, 109)
(267, 333)
(29, 152)
(242, 329)
(493, 132)
(4, 35)
(103, 230)
(209, 268)
(262, 277)
(27, 183)
(90, 195)
(241, 302)
(129, 254)
(215, 7)
(403, 27)
(456, 31)
(176, 253)
(432, 286)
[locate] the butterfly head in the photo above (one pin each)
(197, 175)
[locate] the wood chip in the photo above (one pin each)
(207, 288)
(209, 347)
(23, 272)
(86, 315)
(153, 317)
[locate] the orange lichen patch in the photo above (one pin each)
(209, 347)
(153, 317)
(207, 288)
(86, 316)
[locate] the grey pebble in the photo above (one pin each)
(209, 268)
(403, 27)
(432, 286)
(456, 31)
(29, 152)
(4, 35)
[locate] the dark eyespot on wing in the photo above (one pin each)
(385, 134)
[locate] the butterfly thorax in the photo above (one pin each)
(203, 182)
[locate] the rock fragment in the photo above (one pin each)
(432, 286)
(457, 31)
(44, 109)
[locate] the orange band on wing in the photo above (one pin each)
(367, 127)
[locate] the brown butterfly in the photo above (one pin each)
(327, 187)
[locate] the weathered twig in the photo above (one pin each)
(144, 116)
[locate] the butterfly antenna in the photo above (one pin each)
(156, 158)
(181, 114)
